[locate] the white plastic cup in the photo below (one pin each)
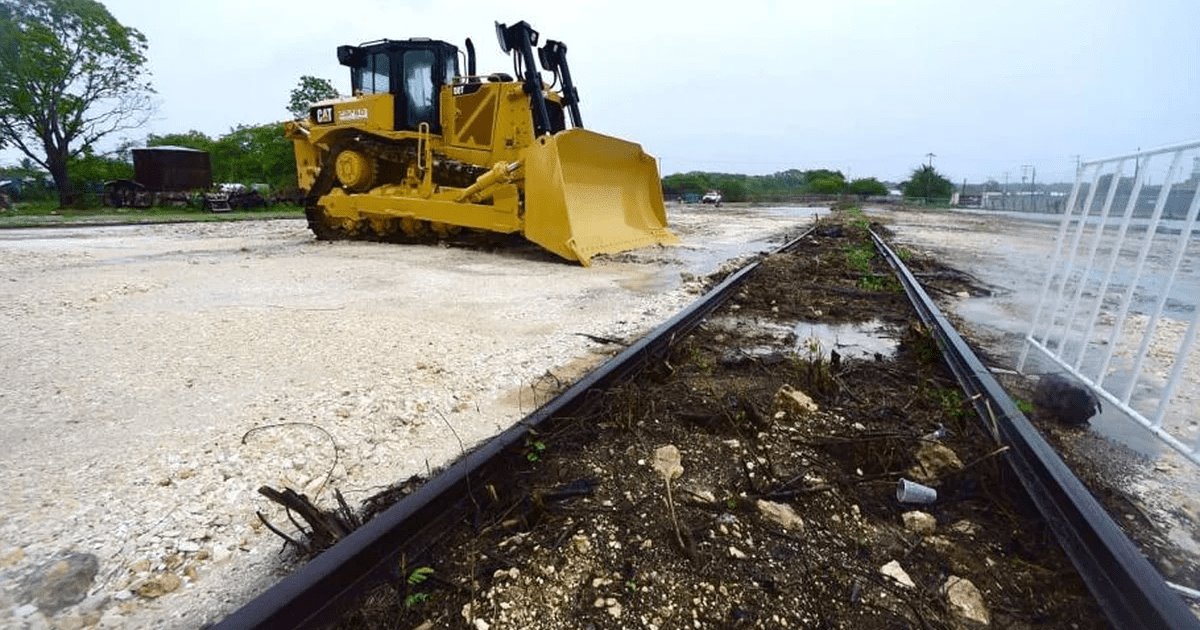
(913, 492)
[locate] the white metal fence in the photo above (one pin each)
(1119, 305)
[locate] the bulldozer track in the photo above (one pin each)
(446, 172)
(1128, 590)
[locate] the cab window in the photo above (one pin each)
(418, 86)
(374, 75)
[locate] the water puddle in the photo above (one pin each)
(863, 340)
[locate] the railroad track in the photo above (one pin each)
(1127, 589)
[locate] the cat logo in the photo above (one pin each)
(323, 115)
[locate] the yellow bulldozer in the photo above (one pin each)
(423, 150)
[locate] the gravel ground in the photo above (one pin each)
(158, 375)
(1010, 253)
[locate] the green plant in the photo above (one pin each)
(534, 449)
(859, 257)
(1025, 406)
(951, 402)
(417, 577)
(871, 282)
(700, 360)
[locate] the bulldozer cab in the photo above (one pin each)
(413, 70)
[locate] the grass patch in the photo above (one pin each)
(859, 257)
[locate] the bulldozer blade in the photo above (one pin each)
(589, 194)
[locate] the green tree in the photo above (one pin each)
(70, 75)
(928, 183)
(310, 90)
(867, 187)
(89, 171)
(826, 183)
(258, 154)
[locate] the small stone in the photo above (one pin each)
(934, 459)
(582, 543)
(11, 557)
(794, 401)
(858, 426)
(158, 585)
(64, 582)
(141, 566)
(737, 553)
(123, 595)
(780, 513)
(599, 603)
(481, 624)
(963, 294)
(69, 622)
(896, 572)
(615, 610)
(24, 611)
(966, 602)
(187, 546)
(919, 522)
(964, 527)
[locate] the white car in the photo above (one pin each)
(712, 196)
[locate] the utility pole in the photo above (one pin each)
(1033, 186)
(1004, 193)
(928, 175)
(1024, 176)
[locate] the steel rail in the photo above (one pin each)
(317, 592)
(1130, 592)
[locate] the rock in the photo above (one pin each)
(158, 585)
(22, 612)
(780, 513)
(93, 604)
(187, 546)
(919, 522)
(965, 527)
(699, 493)
(737, 553)
(934, 460)
(615, 610)
(794, 401)
(11, 557)
(63, 582)
(963, 294)
(1064, 399)
(582, 543)
(894, 571)
(482, 624)
(966, 602)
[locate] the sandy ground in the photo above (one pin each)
(156, 376)
(1011, 254)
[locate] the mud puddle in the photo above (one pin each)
(781, 508)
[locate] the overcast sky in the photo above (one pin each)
(755, 86)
